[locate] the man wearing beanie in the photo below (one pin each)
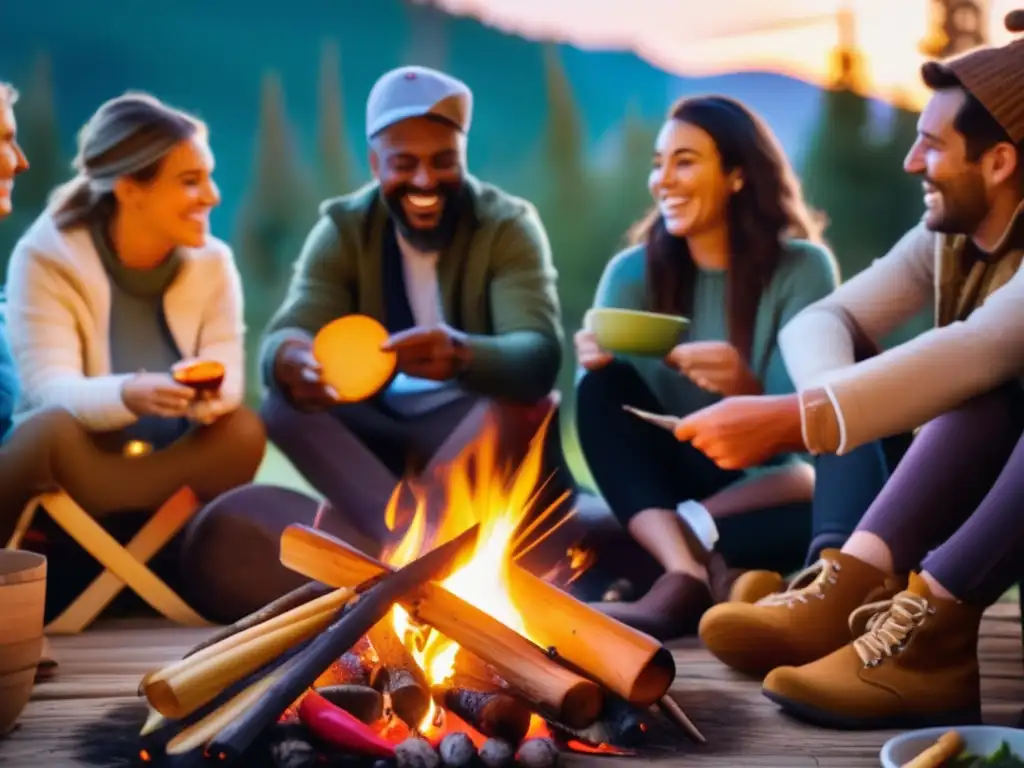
(461, 275)
(944, 539)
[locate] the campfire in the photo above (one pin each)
(444, 651)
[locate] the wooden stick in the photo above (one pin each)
(353, 623)
(558, 692)
(576, 633)
(326, 603)
(159, 730)
(398, 675)
(200, 683)
(154, 721)
(198, 734)
(283, 604)
(948, 746)
(670, 707)
(492, 712)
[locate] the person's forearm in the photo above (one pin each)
(271, 348)
(789, 484)
(521, 366)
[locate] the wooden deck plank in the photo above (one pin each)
(100, 670)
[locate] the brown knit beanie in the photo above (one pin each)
(994, 76)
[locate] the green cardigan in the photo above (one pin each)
(497, 281)
(806, 273)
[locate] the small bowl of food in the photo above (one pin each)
(204, 376)
(969, 746)
(634, 332)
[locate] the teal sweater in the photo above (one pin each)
(806, 273)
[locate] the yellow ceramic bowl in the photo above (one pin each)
(632, 332)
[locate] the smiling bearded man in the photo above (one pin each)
(459, 273)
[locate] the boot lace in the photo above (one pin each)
(889, 627)
(810, 582)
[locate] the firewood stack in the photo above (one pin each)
(321, 674)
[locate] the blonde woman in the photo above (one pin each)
(114, 284)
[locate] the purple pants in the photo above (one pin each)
(955, 504)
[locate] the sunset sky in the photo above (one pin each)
(708, 37)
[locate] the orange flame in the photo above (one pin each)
(477, 490)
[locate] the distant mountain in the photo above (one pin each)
(208, 56)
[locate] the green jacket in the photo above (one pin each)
(497, 281)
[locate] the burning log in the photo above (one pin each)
(496, 753)
(180, 688)
(457, 750)
(621, 724)
(538, 753)
(491, 712)
(399, 676)
(294, 599)
(360, 701)
(583, 637)
(355, 669)
(302, 671)
(557, 691)
(470, 667)
(416, 753)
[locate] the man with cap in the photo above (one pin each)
(458, 271)
(944, 539)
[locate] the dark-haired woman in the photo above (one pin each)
(731, 245)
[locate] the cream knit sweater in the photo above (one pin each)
(58, 315)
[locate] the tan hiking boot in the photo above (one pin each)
(807, 621)
(751, 586)
(915, 666)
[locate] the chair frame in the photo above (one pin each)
(124, 566)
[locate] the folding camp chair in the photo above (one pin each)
(125, 565)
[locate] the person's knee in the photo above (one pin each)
(46, 430)
(54, 422)
(277, 414)
(244, 434)
(610, 380)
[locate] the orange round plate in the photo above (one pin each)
(349, 352)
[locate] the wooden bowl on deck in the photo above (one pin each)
(204, 376)
(22, 603)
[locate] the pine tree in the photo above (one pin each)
(564, 140)
(428, 28)
(275, 216)
(37, 133)
(337, 172)
(571, 208)
(838, 175)
(628, 197)
(280, 206)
